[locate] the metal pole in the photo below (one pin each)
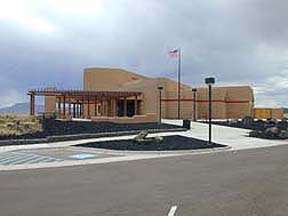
(194, 106)
(160, 106)
(88, 107)
(179, 82)
(210, 112)
(64, 106)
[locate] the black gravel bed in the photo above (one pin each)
(169, 143)
(55, 130)
(55, 127)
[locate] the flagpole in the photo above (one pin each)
(179, 82)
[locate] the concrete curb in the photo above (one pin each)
(123, 158)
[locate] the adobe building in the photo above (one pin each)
(121, 96)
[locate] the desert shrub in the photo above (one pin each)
(18, 125)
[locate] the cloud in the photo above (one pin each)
(21, 13)
(50, 42)
(76, 6)
(9, 97)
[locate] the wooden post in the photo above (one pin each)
(69, 107)
(64, 106)
(135, 106)
(74, 110)
(114, 107)
(95, 108)
(78, 110)
(125, 106)
(32, 104)
(102, 107)
(88, 107)
(59, 107)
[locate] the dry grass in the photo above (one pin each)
(18, 124)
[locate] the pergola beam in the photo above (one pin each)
(32, 104)
(77, 99)
(87, 94)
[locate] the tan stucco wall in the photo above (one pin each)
(265, 113)
(225, 105)
(277, 113)
(108, 79)
(229, 102)
(98, 79)
(50, 102)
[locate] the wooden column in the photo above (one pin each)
(69, 107)
(114, 107)
(88, 108)
(64, 106)
(80, 109)
(59, 107)
(135, 106)
(74, 110)
(109, 107)
(95, 108)
(32, 104)
(102, 107)
(125, 106)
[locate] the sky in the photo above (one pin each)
(49, 43)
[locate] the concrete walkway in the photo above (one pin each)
(236, 139)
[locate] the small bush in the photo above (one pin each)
(17, 125)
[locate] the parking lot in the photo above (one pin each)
(249, 182)
(248, 177)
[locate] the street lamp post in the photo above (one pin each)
(209, 81)
(194, 90)
(160, 88)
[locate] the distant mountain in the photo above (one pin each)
(21, 108)
(285, 110)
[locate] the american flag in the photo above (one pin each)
(173, 53)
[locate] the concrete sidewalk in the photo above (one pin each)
(234, 138)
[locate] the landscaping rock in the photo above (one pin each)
(247, 121)
(141, 136)
(283, 134)
(272, 132)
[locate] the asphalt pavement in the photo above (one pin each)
(248, 182)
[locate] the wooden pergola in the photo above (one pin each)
(73, 103)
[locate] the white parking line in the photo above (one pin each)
(172, 211)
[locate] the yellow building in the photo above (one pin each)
(121, 96)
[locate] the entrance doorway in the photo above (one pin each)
(130, 108)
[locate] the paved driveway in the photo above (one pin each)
(248, 182)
